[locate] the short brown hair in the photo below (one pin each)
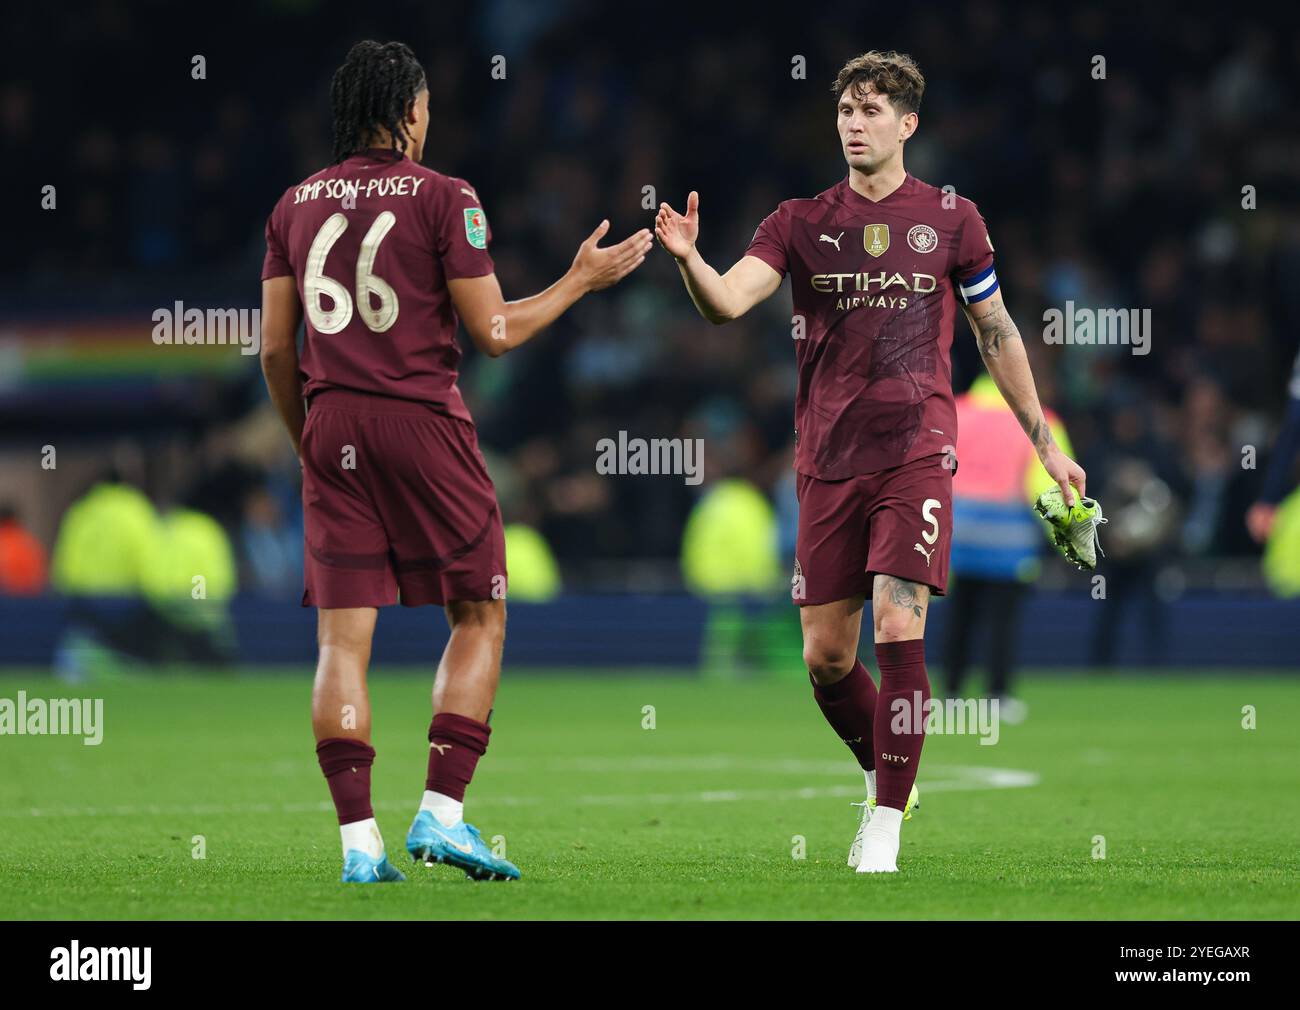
(894, 75)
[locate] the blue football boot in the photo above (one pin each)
(460, 845)
(359, 868)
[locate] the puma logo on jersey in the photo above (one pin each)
(441, 748)
(833, 241)
(925, 552)
(469, 193)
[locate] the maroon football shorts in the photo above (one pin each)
(396, 499)
(894, 522)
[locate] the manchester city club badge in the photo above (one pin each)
(922, 238)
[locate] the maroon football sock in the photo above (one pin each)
(456, 742)
(346, 764)
(900, 719)
(849, 705)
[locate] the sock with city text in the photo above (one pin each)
(900, 719)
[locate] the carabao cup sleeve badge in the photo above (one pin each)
(476, 227)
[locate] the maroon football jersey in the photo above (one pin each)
(372, 242)
(875, 288)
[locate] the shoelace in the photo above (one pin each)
(1096, 537)
(1092, 525)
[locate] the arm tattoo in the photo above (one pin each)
(901, 593)
(1040, 434)
(992, 330)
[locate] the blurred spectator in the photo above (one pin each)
(22, 557)
(271, 546)
(107, 542)
(729, 557)
(190, 587)
(140, 587)
(534, 575)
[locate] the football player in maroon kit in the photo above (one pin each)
(877, 264)
(385, 257)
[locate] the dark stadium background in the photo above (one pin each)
(1122, 192)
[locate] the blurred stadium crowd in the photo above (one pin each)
(1118, 192)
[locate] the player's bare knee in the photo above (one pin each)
(827, 660)
(348, 639)
(346, 630)
(899, 624)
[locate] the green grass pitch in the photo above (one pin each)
(698, 817)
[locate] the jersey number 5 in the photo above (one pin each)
(315, 283)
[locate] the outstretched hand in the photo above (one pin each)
(597, 267)
(677, 232)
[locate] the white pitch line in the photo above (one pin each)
(946, 778)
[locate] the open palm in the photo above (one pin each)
(677, 232)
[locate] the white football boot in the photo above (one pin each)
(888, 855)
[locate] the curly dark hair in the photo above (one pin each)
(373, 90)
(894, 75)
